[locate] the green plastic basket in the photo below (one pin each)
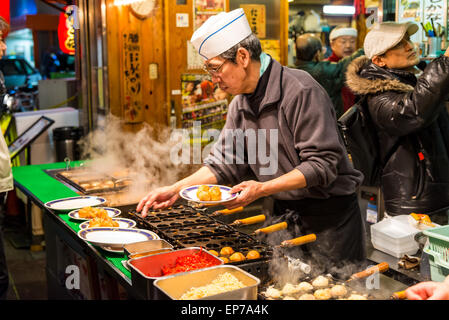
(438, 251)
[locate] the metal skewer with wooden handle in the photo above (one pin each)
(270, 229)
(248, 221)
(379, 268)
(297, 241)
(399, 295)
(226, 212)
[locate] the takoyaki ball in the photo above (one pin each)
(203, 195)
(307, 296)
(338, 291)
(215, 193)
(356, 296)
(253, 254)
(215, 253)
(237, 256)
(273, 293)
(320, 282)
(225, 251)
(323, 294)
(225, 260)
(304, 287)
(203, 188)
(289, 289)
(288, 298)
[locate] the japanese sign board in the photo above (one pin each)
(132, 78)
(255, 13)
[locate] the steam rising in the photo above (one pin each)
(143, 156)
(320, 262)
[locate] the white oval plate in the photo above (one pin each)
(115, 238)
(189, 194)
(112, 212)
(73, 203)
(122, 223)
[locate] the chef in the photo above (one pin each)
(280, 140)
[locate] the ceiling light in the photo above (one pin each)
(338, 10)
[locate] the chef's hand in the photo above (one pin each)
(447, 52)
(250, 191)
(429, 290)
(159, 198)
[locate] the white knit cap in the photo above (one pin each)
(384, 36)
(220, 33)
(338, 32)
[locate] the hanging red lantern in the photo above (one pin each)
(66, 33)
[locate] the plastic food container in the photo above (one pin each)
(145, 270)
(395, 236)
(173, 287)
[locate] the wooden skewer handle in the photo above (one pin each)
(250, 220)
(400, 295)
(381, 267)
(299, 241)
(272, 228)
(225, 212)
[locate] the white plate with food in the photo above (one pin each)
(208, 194)
(88, 213)
(115, 238)
(72, 203)
(122, 223)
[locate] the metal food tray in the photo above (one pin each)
(132, 250)
(173, 287)
(233, 239)
(80, 177)
(145, 270)
(179, 221)
(197, 231)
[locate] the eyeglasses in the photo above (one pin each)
(214, 71)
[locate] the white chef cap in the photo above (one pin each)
(220, 33)
(338, 32)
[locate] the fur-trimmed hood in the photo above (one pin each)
(375, 79)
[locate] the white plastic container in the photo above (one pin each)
(394, 236)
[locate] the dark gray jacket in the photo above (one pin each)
(298, 111)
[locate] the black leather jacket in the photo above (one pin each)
(412, 121)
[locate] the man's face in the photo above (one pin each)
(2, 45)
(401, 56)
(344, 46)
(229, 76)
